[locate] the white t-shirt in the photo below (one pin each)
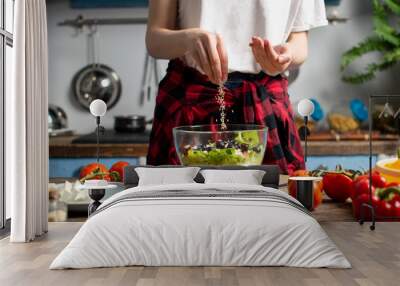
(238, 20)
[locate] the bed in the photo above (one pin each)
(197, 224)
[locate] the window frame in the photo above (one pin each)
(6, 39)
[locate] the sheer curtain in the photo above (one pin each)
(26, 124)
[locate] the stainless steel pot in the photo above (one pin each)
(131, 123)
(97, 81)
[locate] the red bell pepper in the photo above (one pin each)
(396, 209)
(357, 204)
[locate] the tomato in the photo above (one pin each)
(337, 186)
(361, 186)
(377, 180)
(117, 171)
(94, 171)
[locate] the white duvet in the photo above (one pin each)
(201, 231)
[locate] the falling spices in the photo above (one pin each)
(220, 98)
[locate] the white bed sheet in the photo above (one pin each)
(200, 232)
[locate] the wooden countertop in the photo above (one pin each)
(63, 148)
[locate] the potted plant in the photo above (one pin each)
(384, 40)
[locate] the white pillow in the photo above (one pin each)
(166, 176)
(248, 177)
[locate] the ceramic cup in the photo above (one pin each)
(303, 188)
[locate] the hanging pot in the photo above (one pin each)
(97, 81)
(131, 123)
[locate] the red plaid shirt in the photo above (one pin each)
(186, 97)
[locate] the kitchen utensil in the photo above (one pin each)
(359, 110)
(131, 123)
(57, 118)
(239, 144)
(150, 79)
(96, 81)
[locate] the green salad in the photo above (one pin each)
(244, 149)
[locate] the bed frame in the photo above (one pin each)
(131, 179)
(271, 177)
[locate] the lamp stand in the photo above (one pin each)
(305, 138)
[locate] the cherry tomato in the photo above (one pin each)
(377, 180)
(361, 186)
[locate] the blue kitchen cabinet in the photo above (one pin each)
(356, 162)
(70, 167)
(87, 4)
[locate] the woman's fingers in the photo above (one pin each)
(223, 57)
(273, 60)
(269, 50)
(213, 58)
(273, 56)
(284, 59)
(284, 54)
(258, 51)
(204, 61)
(265, 61)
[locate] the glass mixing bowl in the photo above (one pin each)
(239, 144)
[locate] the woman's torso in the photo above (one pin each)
(238, 20)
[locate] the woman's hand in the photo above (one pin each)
(166, 41)
(273, 60)
(208, 50)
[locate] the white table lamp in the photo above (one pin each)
(305, 108)
(98, 108)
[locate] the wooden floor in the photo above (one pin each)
(375, 257)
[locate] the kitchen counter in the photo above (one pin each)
(62, 147)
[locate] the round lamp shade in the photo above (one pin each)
(305, 107)
(98, 107)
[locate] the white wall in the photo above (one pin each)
(123, 48)
(320, 76)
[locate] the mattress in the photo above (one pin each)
(201, 225)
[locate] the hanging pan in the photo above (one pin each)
(96, 81)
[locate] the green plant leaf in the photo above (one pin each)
(393, 6)
(385, 31)
(370, 44)
(385, 40)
